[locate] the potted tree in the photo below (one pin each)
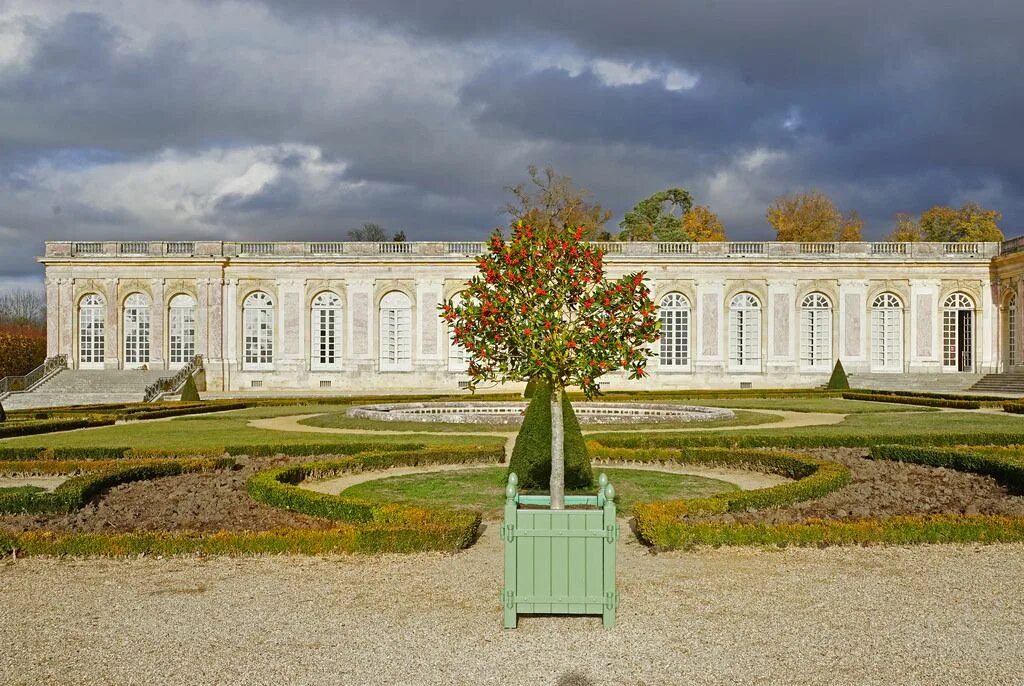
(541, 309)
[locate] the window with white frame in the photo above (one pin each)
(1011, 330)
(181, 329)
(887, 333)
(92, 314)
(957, 325)
(458, 357)
(674, 313)
(136, 330)
(258, 328)
(816, 332)
(395, 332)
(745, 333)
(325, 331)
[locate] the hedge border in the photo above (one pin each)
(659, 523)
(74, 493)
(913, 400)
(1014, 406)
(421, 528)
(781, 439)
(1009, 474)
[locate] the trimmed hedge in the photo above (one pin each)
(818, 532)
(913, 400)
(1014, 406)
(423, 528)
(781, 439)
(1008, 472)
(930, 394)
(32, 427)
(838, 380)
(531, 455)
(369, 538)
(74, 493)
(657, 523)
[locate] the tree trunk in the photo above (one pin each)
(557, 451)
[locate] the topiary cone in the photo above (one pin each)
(3, 415)
(531, 456)
(189, 392)
(838, 380)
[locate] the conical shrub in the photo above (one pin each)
(838, 380)
(531, 456)
(189, 392)
(3, 415)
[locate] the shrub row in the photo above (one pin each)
(345, 538)
(782, 439)
(255, 450)
(929, 394)
(32, 427)
(1008, 472)
(902, 530)
(77, 491)
(657, 523)
(913, 400)
(310, 449)
(435, 528)
(1014, 406)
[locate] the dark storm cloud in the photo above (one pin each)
(302, 119)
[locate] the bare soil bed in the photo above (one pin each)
(196, 502)
(883, 488)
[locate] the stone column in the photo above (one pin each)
(67, 317)
(710, 333)
(781, 338)
(986, 333)
(361, 318)
(157, 317)
(428, 295)
(290, 342)
(52, 317)
(925, 326)
(112, 333)
(854, 326)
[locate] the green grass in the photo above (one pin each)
(229, 428)
(484, 488)
(12, 490)
(339, 420)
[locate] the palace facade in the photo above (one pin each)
(363, 317)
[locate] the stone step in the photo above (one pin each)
(28, 401)
(923, 383)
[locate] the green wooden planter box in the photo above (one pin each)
(559, 561)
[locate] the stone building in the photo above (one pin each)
(363, 317)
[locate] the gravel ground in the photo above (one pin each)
(899, 615)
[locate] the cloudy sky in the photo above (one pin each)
(299, 119)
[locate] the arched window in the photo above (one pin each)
(745, 332)
(395, 332)
(92, 315)
(816, 332)
(675, 331)
(181, 329)
(136, 330)
(1011, 330)
(458, 357)
(958, 333)
(325, 331)
(887, 333)
(258, 324)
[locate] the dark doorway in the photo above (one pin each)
(965, 321)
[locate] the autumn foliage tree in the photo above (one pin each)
(553, 199)
(701, 225)
(812, 217)
(541, 309)
(970, 222)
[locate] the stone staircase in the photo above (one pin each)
(1007, 383)
(921, 383)
(87, 387)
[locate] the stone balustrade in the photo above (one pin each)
(460, 249)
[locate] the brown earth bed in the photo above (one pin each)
(196, 502)
(883, 488)
(219, 501)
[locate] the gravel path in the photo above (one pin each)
(902, 615)
(47, 482)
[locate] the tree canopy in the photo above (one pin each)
(542, 308)
(658, 217)
(701, 225)
(374, 233)
(812, 217)
(968, 223)
(552, 199)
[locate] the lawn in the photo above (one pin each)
(484, 488)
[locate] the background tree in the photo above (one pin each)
(552, 199)
(658, 217)
(702, 225)
(971, 222)
(812, 217)
(22, 307)
(542, 309)
(374, 233)
(907, 229)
